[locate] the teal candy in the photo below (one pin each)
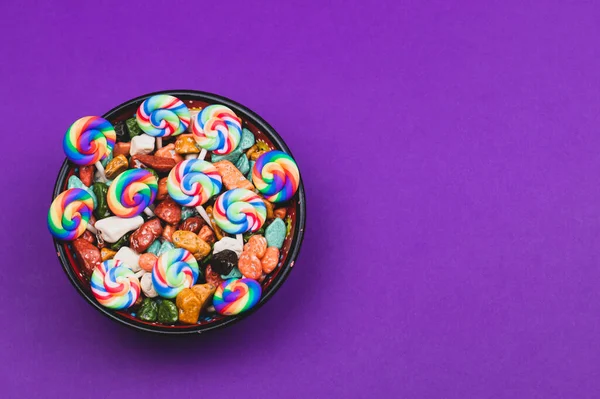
(232, 157)
(243, 165)
(247, 140)
(107, 159)
(249, 175)
(165, 247)
(133, 128)
(75, 182)
(234, 273)
(154, 247)
(187, 212)
(275, 233)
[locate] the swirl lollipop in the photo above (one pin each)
(193, 182)
(275, 174)
(89, 140)
(218, 129)
(162, 116)
(115, 285)
(238, 211)
(70, 213)
(132, 192)
(173, 271)
(235, 296)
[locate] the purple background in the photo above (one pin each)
(450, 154)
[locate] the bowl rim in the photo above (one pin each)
(287, 266)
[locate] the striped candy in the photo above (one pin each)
(114, 285)
(89, 140)
(275, 174)
(218, 129)
(173, 271)
(193, 182)
(70, 214)
(131, 192)
(163, 115)
(235, 296)
(239, 210)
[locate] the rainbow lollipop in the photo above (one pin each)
(173, 271)
(238, 211)
(193, 182)
(115, 285)
(70, 213)
(162, 116)
(89, 140)
(132, 192)
(235, 296)
(275, 174)
(218, 129)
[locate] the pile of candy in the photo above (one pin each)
(159, 231)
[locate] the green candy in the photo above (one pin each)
(249, 175)
(154, 247)
(148, 311)
(243, 165)
(187, 212)
(107, 159)
(232, 157)
(123, 241)
(75, 182)
(164, 248)
(167, 312)
(234, 273)
(275, 233)
(100, 189)
(133, 128)
(247, 140)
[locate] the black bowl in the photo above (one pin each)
(296, 209)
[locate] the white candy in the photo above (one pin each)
(147, 286)
(112, 228)
(129, 257)
(228, 243)
(142, 144)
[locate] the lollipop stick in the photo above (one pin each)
(149, 212)
(203, 213)
(159, 142)
(190, 156)
(202, 154)
(101, 170)
(240, 239)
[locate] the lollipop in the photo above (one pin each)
(132, 192)
(238, 211)
(114, 285)
(89, 140)
(235, 296)
(173, 271)
(70, 214)
(218, 129)
(193, 182)
(162, 116)
(275, 174)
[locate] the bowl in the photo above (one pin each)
(296, 209)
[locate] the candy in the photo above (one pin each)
(86, 174)
(174, 270)
(218, 129)
(207, 235)
(167, 312)
(243, 165)
(270, 260)
(232, 177)
(224, 261)
(121, 132)
(250, 265)
(147, 286)
(165, 247)
(132, 128)
(147, 261)
(275, 233)
(193, 224)
(132, 192)
(100, 190)
(148, 311)
(121, 149)
(162, 116)
(113, 228)
(236, 296)
(168, 211)
(212, 277)
(107, 254)
(187, 212)
(154, 247)
(234, 273)
(70, 214)
(270, 208)
(228, 243)
(129, 258)
(116, 166)
(159, 164)
(89, 140)
(191, 242)
(88, 256)
(142, 144)
(145, 235)
(280, 213)
(162, 192)
(168, 151)
(257, 245)
(238, 211)
(232, 157)
(276, 176)
(189, 306)
(75, 182)
(114, 285)
(185, 144)
(247, 140)
(168, 231)
(204, 293)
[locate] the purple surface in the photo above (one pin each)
(450, 155)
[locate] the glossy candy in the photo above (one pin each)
(275, 174)
(131, 192)
(193, 182)
(114, 285)
(162, 116)
(235, 296)
(89, 140)
(173, 271)
(70, 214)
(218, 129)
(239, 210)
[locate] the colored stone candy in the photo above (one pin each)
(275, 233)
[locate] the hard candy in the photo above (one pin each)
(168, 151)
(121, 242)
(129, 257)
(185, 144)
(121, 149)
(107, 159)
(249, 174)
(147, 286)
(161, 165)
(250, 265)
(216, 229)
(204, 292)
(231, 176)
(167, 312)
(100, 192)
(148, 311)
(270, 260)
(228, 243)
(270, 208)
(280, 213)
(275, 233)
(147, 261)
(207, 235)
(190, 241)
(168, 231)
(133, 128)
(189, 306)
(169, 211)
(75, 182)
(187, 212)
(107, 254)
(166, 246)
(232, 157)
(88, 256)
(116, 166)
(112, 228)
(154, 247)
(256, 154)
(193, 224)
(89, 237)
(212, 277)
(86, 174)
(257, 245)
(121, 132)
(247, 140)
(243, 164)
(224, 261)
(145, 235)
(234, 273)
(142, 144)
(162, 189)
